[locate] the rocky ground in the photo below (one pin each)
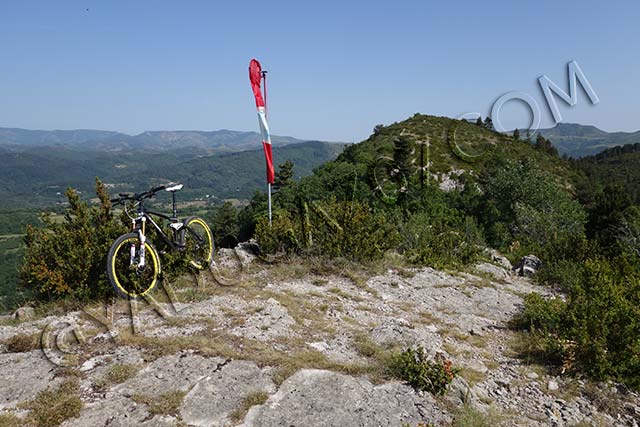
(294, 344)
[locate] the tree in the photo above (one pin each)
(528, 136)
(488, 123)
(479, 121)
(377, 129)
(284, 176)
(225, 225)
(67, 259)
(516, 134)
(606, 216)
(543, 144)
(402, 160)
(532, 206)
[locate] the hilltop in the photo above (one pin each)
(449, 151)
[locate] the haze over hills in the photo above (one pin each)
(86, 139)
(576, 140)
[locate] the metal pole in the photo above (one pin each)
(264, 77)
(269, 185)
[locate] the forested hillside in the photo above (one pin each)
(38, 177)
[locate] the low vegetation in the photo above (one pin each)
(53, 406)
(414, 367)
(251, 399)
(116, 374)
(164, 404)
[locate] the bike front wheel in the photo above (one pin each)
(198, 242)
(129, 276)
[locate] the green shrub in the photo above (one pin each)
(541, 314)
(535, 208)
(281, 236)
(351, 230)
(68, 258)
(428, 242)
(415, 368)
(604, 319)
(329, 229)
(597, 331)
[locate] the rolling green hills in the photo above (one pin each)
(39, 176)
(577, 140)
(86, 139)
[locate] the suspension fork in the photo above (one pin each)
(142, 238)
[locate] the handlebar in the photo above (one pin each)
(123, 197)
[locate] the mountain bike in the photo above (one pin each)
(133, 263)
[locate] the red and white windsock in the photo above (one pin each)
(255, 76)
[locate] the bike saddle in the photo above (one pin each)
(174, 187)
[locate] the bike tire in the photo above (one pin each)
(129, 282)
(198, 240)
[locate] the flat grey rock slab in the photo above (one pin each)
(314, 397)
(212, 400)
(24, 375)
(177, 372)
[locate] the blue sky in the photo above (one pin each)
(337, 68)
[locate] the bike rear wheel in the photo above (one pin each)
(128, 278)
(198, 241)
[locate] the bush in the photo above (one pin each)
(330, 229)
(597, 331)
(427, 241)
(68, 258)
(414, 367)
(534, 207)
(280, 236)
(225, 226)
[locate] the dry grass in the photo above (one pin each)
(468, 416)
(254, 398)
(286, 361)
(365, 346)
(342, 294)
(165, 404)
(116, 374)
(52, 407)
(472, 376)
(474, 340)
(10, 420)
(23, 343)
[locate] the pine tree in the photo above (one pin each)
(225, 225)
(479, 121)
(284, 176)
(403, 158)
(516, 134)
(528, 136)
(488, 123)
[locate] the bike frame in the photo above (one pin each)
(139, 226)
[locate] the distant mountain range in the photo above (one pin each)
(577, 140)
(210, 142)
(37, 166)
